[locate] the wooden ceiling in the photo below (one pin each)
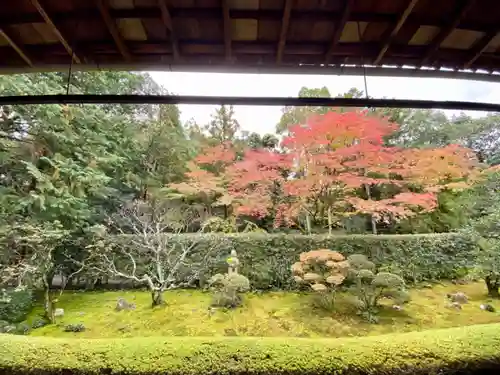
(274, 35)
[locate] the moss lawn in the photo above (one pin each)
(273, 314)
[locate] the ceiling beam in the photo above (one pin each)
(395, 30)
(169, 24)
(285, 22)
(20, 51)
(151, 12)
(480, 47)
(250, 52)
(55, 30)
(113, 29)
(238, 100)
(461, 11)
(339, 27)
(197, 67)
(226, 16)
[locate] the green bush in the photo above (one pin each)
(369, 287)
(15, 305)
(464, 350)
(227, 288)
(266, 259)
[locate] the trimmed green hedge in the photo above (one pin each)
(464, 350)
(266, 258)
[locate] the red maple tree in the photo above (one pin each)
(340, 158)
(335, 165)
(206, 179)
(253, 181)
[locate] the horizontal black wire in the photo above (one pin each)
(246, 100)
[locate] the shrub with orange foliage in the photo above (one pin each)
(322, 269)
(438, 167)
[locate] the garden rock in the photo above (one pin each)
(59, 313)
(10, 329)
(487, 307)
(3, 325)
(74, 328)
(454, 305)
(124, 328)
(458, 297)
(397, 307)
(22, 329)
(121, 304)
(211, 311)
(39, 323)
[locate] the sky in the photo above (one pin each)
(263, 119)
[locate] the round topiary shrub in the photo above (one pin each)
(323, 270)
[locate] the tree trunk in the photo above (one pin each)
(492, 284)
(373, 221)
(374, 225)
(308, 223)
(329, 211)
(48, 303)
(157, 298)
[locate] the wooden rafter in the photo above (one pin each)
(326, 40)
(285, 22)
(113, 29)
(16, 47)
(479, 48)
(227, 29)
(462, 9)
(55, 30)
(311, 15)
(339, 27)
(390, 38)
(167, 21)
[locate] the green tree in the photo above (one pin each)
(75, 165)
(484, 227)
(223, 127)
(256, 141)
(297, 115)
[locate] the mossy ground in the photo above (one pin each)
(267, 315)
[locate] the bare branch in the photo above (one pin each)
(146, 247)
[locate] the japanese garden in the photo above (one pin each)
(350, 241)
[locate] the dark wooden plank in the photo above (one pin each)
(339, 26)
(238, 100)
(16, 47)
(167, 21)
(285, 22)
(461, 10)
(390, 38)
(480, 47)
(227, 29)
(113, 29)
(55, 30)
